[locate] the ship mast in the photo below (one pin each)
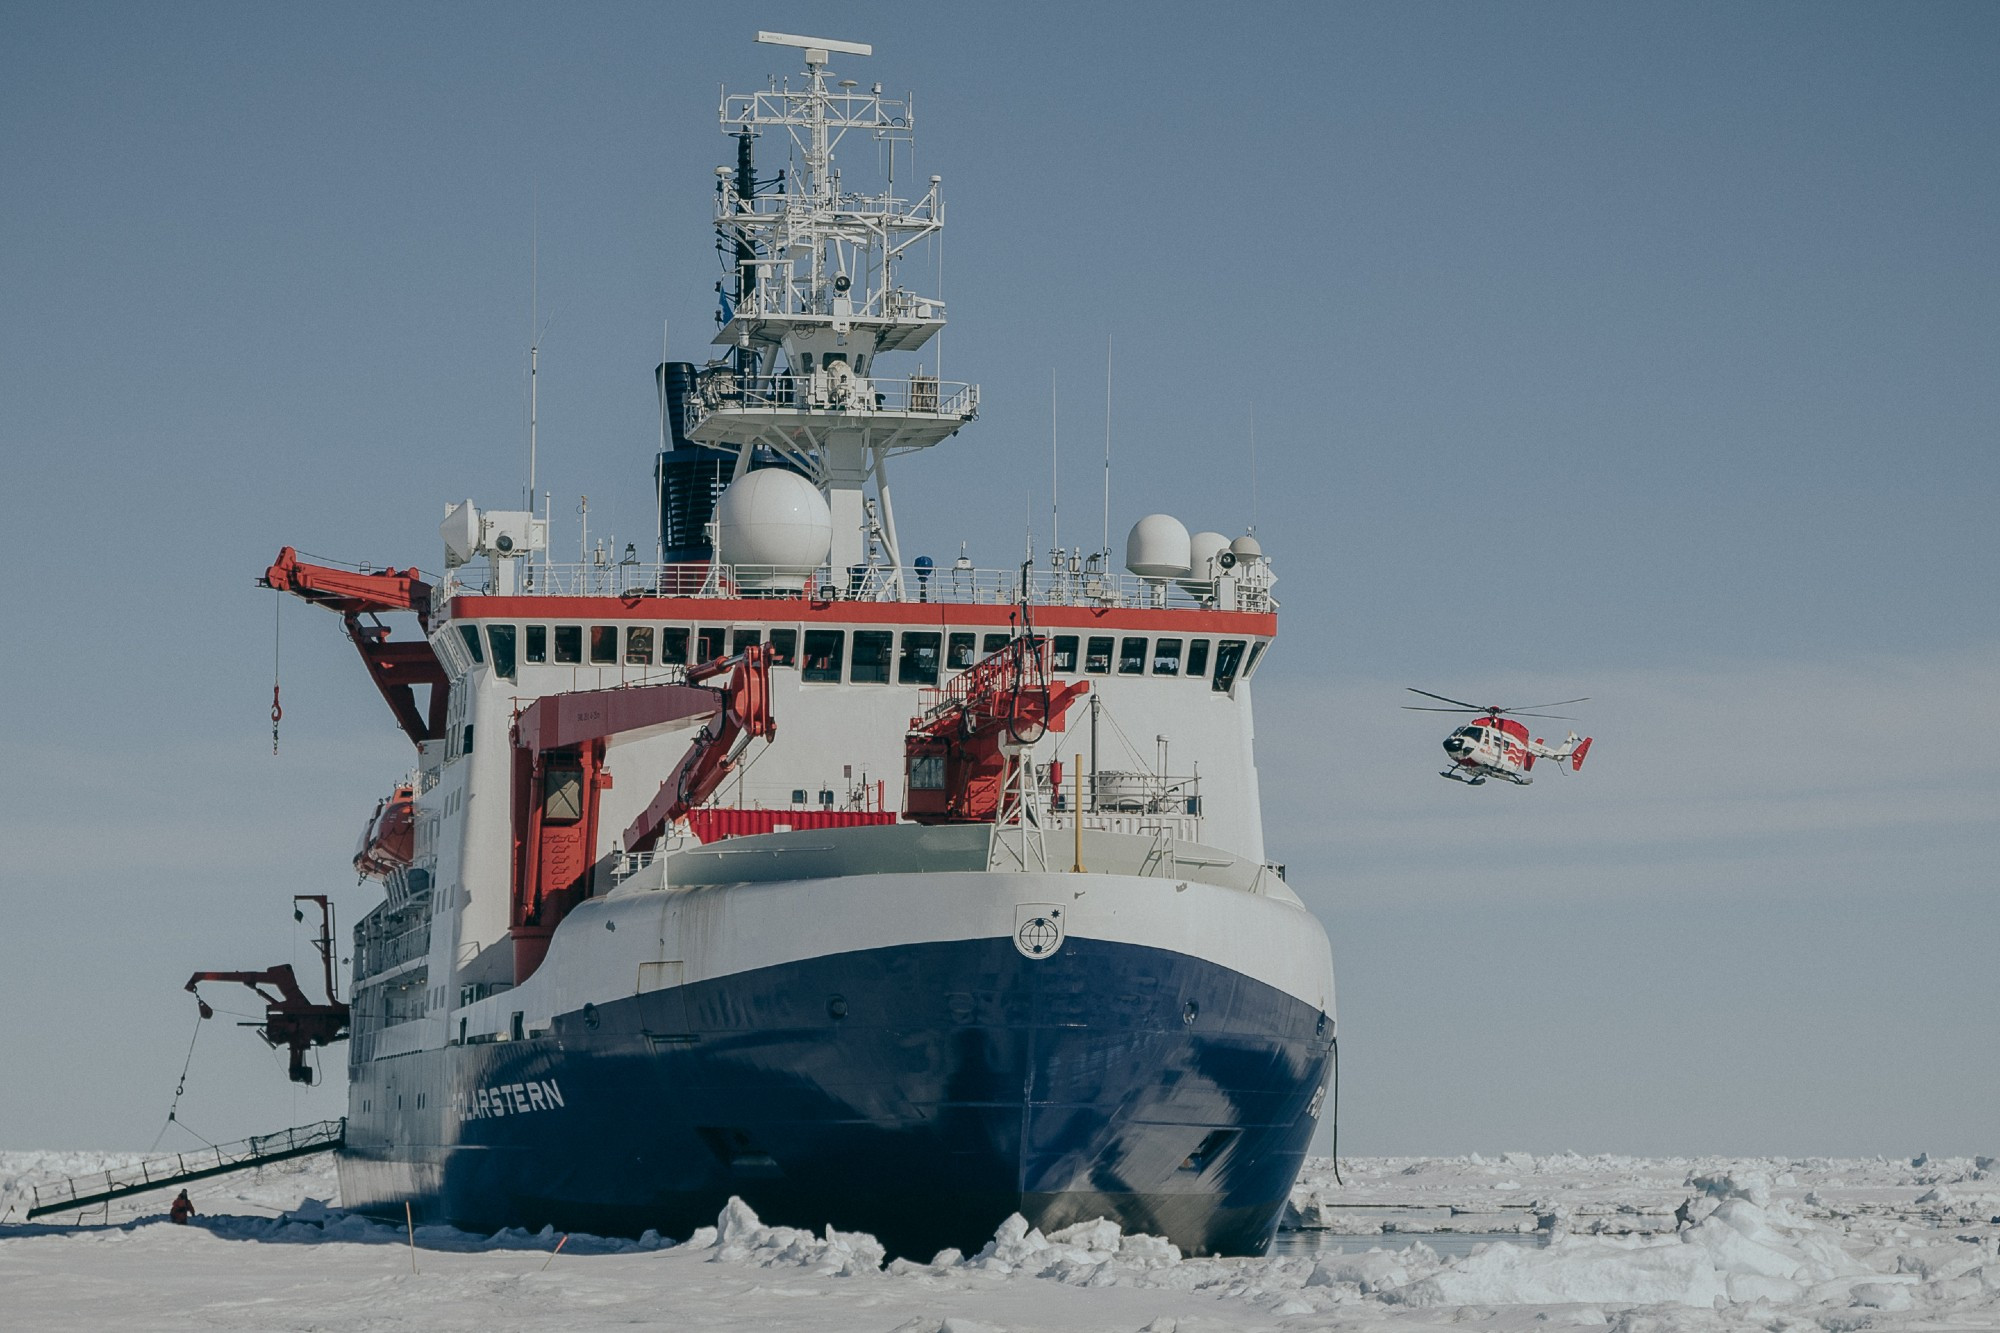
(817, 299)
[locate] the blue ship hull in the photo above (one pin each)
(920, 1092)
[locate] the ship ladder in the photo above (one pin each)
(158, 1173)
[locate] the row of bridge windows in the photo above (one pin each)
(859, 657)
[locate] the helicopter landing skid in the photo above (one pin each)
(1456, 776)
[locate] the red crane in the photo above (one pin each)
(559, 749)
(396, 667)
(290, 1019)
(968, 744)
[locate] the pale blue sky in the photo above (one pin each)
(1643, 352)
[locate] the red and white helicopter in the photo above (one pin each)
(1494, 745)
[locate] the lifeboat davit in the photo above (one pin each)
(388, 839)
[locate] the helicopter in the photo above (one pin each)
(1494, 745)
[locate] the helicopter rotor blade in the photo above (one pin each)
(1444, 699)
(1556, 704)
(1420, 708)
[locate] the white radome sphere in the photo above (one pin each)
(1203, 547)
(1246, 548)
(1157, 548)
(774, 526)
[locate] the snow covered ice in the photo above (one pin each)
(1622, 1244)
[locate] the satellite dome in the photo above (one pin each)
(1203, 547)
(773, 525)
(1246, 549)
(1157, 548)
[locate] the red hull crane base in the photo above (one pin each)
(290, 1019)
(560, 742)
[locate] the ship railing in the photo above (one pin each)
(724, 390)
(377, 954)
(953, 584)
(163, 1172)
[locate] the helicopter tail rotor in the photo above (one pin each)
(1576, 759)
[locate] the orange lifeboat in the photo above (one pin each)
(388, 839)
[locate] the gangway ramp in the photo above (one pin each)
(166, 1172)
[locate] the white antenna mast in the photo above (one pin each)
(1055, 472)
(1253, 465)
(534, 331)
(1107, 447)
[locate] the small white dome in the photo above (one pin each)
(774, 526)
(1157, 548)
(1245, 548)
(1203, 547)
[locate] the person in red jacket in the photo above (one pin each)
(182, 1210)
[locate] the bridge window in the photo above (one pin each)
(918, 664)
(1197, 661)
(784, 648)
(993, 644)
(1166, 657)
(1256, 651)
(823, 654)
(639, 645)
(569, 643)
(872, 648)
(1228, 657)
(535, 646)
(603, 644)
(1132, 657)
(1097, 656)
(958, 651)
(673, 645)
(470, 633)
(1063, 656)
(708, 644)
(502, 637)
(746, 638)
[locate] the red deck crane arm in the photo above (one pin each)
(397, 668)
(559, 773)
(290, 1019)
(745, 715)
(961, 751)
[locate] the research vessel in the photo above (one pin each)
(884, 892)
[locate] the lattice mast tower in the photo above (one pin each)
(818, 296)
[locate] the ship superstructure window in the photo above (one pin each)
(603, 644)
(502, 638)
(1063, 656)
(639, 645)
(872, 648)
(958, 651)
(745, 638)
(823, 654)
(1132, 657)
(1197, 658)
(569, 644)
(993, 644)
(470, 633)
(1166, 657)
(673, 645)
(708, 644)
(535, 643)
(1256, 651)
(784, 647)
(1097, 655)
(1228, 657)
(918, 664)
(927, 772)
